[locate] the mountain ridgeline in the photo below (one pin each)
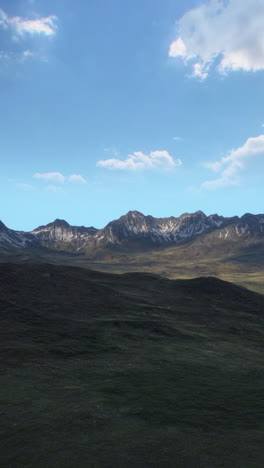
(135, 230)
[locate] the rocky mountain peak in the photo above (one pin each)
(199, 213)
(59, 223)
(62, 236)
(132, 216)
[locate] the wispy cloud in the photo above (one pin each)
(77, 178)
(20, 44)
(139, 160)
(58, 177)
(20, 26)
(27, 53)
(229, 166)
(226, 36)
(22, 56)
(177, 138)
(50, 176)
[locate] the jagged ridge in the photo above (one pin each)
(138, 229)
(63, 236)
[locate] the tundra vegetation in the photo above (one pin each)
(110, 370)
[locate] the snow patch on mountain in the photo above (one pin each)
(136, 227)
(14, 239)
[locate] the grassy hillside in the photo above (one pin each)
(238, 260)
(134, 370)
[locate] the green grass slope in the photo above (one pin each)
(133, 370)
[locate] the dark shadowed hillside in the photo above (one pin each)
(191, 245)
(103, 370)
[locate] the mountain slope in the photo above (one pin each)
(10, 239)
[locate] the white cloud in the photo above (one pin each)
(228, 35)
(20, 26)
(229, 166)
(177, 48)
(46, 26)
(138, 160)
(77, 178)
(200, 71)
(54, 176)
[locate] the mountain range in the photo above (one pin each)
(137, 231)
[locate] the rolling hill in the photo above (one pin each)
(129, 370)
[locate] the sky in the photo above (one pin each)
(108, 106)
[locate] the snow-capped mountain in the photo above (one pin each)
(138, 231)
(63, 236)
(246, 227)
(10, 239)
(135, 226)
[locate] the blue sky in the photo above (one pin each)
(111, 106)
